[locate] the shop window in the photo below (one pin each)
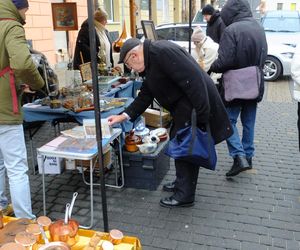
(279, 6)
(109, 8)
(293, 6)
(159, 4)
(144, 4)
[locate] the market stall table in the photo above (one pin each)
(79, 149)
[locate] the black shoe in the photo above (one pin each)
(169, 187)
(171, 202)
(249, 160)
(240, 164)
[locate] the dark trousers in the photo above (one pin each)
(186, 181)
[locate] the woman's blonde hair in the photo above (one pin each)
(100, 15)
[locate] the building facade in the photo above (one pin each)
(59, 45)
(282, 5)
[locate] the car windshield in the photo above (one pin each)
(281, 24)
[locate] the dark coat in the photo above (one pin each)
(215, 27)
(243, 42)
(177, 82)
(83, 46)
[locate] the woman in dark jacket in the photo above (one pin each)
(243, 44)
(103, 41)
(176, 81)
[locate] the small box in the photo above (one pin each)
(153, 117)
(52, 165)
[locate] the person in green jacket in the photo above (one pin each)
(16, 71)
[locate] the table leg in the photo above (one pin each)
(43, 183)
(121, 162)
(91, 197)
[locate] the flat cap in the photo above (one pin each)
(127, 46)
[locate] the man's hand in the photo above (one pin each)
(113, 119)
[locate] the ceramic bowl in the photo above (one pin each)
(158, 132)
(147, 148)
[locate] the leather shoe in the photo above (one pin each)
(240, 164)
(171, 202)
(169, 187)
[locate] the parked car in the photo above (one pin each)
(278, 61)
(282, 27)
(283, 34)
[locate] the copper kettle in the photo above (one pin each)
(131, 142)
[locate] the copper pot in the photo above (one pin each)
(64, 230)
(131, 141)
(59, 231)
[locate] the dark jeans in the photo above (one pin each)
(236, 146)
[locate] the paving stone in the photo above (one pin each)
(292, 245)
(164, 243)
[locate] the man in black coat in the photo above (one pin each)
(177, 82)
(215, 25)
(243, 44)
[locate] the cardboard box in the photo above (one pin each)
(52, 165)
(152, 118)
(107, 159)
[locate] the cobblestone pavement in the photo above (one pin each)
(259, 209)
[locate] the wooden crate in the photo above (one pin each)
(107, 159)
(152, 118)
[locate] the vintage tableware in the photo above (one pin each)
(25, 239)
(35, 230)
(163, 137)
(131, 142)
(106, 245)
(12, 246)
(115, 236)
(44, 221)
(151, 138)
(142, 133)
(147, 148)
(159, 132)
(52, 245)
(55, 246)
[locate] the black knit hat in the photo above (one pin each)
(208, 10)
(20, 4)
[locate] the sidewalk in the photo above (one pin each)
(256, 210)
